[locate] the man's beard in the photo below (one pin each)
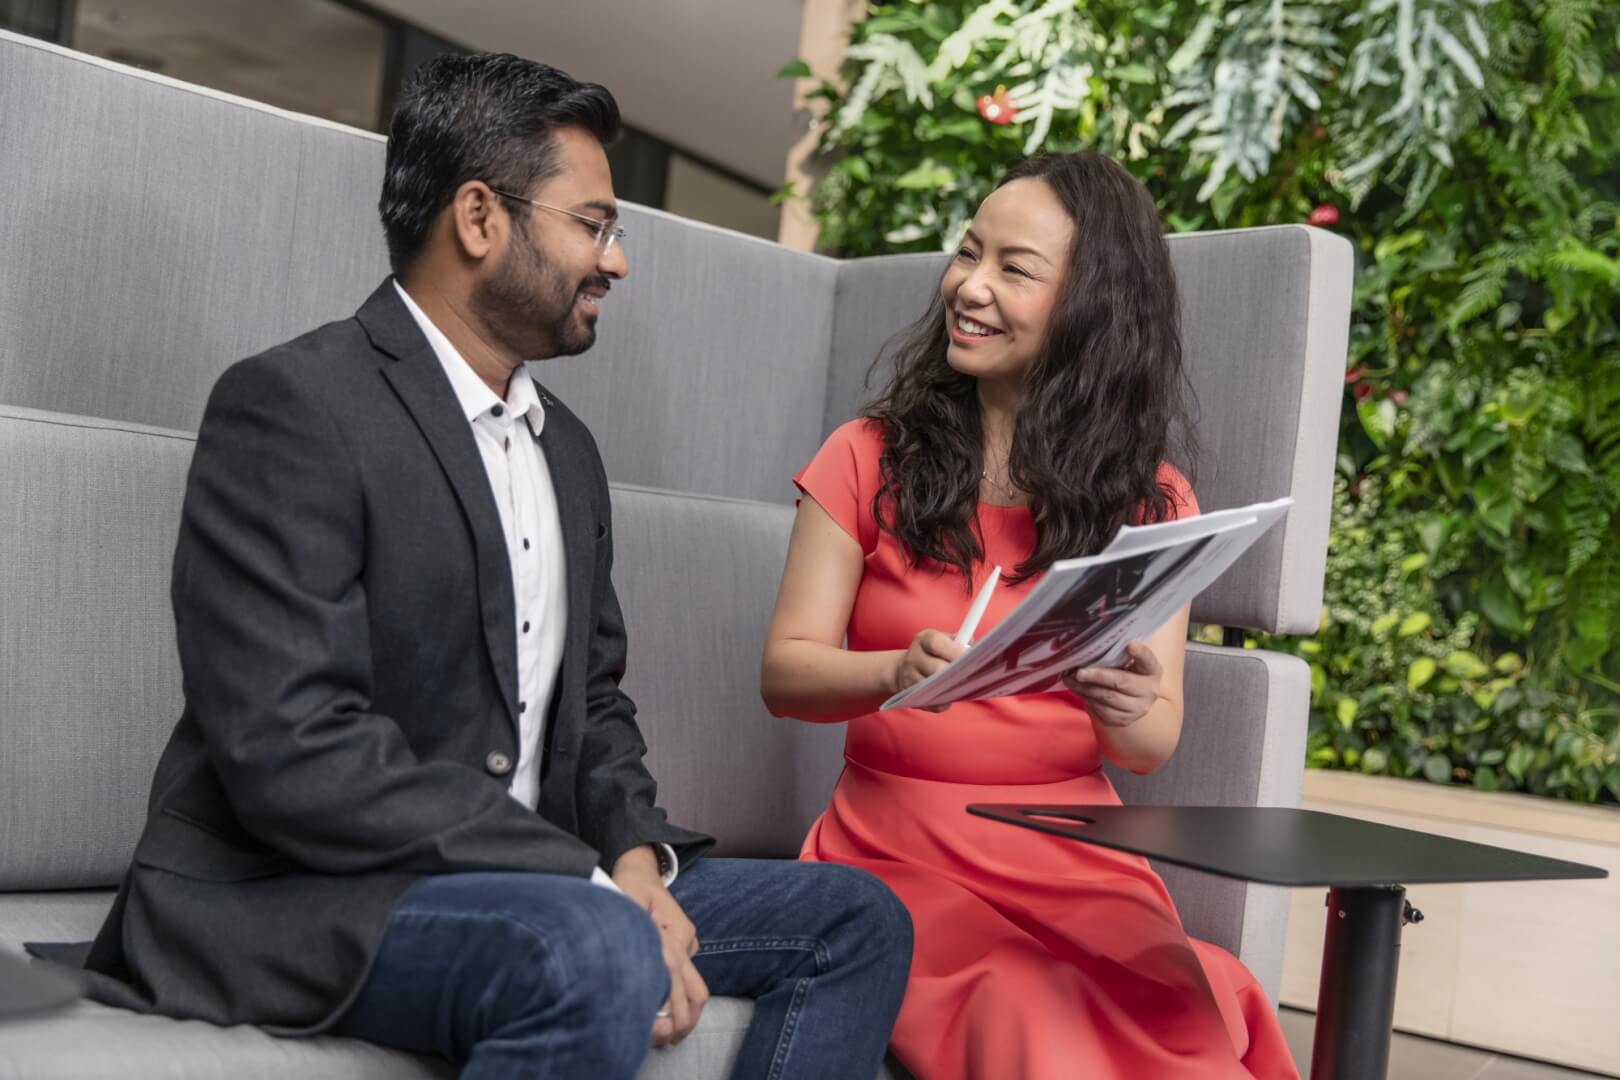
(529, 304)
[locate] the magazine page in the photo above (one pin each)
(1085, 611)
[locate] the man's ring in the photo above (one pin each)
(662, 1014)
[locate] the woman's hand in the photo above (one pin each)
(1119, 697)
(930, 651)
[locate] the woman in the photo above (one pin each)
(1029, 416)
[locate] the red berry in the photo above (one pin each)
(1324, 216)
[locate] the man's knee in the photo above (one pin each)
(871, 907)
(597, 954)
(614, 953)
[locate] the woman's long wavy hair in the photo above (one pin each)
(1104, 402)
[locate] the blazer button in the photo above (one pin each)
(497, 763)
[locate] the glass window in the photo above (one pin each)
(311, 56)
(704, 194)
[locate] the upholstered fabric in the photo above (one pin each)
(94, 1042)
(697, 579)
(134, 275)
(154, 232)
(710, 362)
(90, 687)
(89, 680)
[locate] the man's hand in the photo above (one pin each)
(1119, 697)
(636, 873)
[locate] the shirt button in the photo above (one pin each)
(497, 410)
(525, 543)
(497, 763)
(523, 706)
(525, 627)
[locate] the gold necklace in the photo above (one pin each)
(1006, 491)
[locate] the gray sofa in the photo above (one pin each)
(152, 232)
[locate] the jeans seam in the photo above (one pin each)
(801, 989)
(814, 946)
(790, 1024)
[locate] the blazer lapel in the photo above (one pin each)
(569, 462)
(417, 377)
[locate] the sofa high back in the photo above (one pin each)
(151, 233)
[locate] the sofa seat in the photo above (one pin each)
(91, 1042)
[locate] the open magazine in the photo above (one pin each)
(1083, 612)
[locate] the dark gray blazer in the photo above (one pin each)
(344, 611)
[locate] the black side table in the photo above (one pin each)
(1364, 865)
(27, 988)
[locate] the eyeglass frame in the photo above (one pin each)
(608, 230)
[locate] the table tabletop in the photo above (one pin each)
(1276, 845)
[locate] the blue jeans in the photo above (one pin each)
(536, 975)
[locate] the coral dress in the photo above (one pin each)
(1036, 957)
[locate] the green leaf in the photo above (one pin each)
(1481, 444)
(793, 69)
(1374, 760)
(1465, 665)
(928, 176)
(1564, 450)
(1421, 671)
(1415, 623)
(1415, 561)
(1519, 759)
(1485, 779)
(1500, 606)
(1394, 245)
(1498, 515)
(1437, 769)
(1346, 713)
(1385, 623)
(1378, 419)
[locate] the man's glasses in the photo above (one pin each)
(608, 231)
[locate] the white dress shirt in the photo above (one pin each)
(508, 437)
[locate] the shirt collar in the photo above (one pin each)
(475, 397)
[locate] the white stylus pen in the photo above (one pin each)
(964, 636)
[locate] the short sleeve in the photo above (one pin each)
(843, 479)
(1183, 503)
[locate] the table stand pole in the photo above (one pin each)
(1355, 1004)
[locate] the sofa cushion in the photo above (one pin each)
(89, 679)
(90, 684)
(94, 1042)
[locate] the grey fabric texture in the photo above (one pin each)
(708, 374)
(90, 686)
(697, 579)
(1265, 320)
(1265, 350)
(710, 362)
(877, 298)
(94, 1042)
(152, 234)
(89, 679)
(1241, 739)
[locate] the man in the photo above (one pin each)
(406, 799)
